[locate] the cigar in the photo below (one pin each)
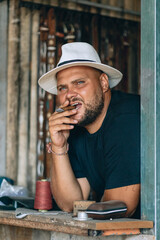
(62, 109)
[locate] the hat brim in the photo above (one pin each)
(48, 81)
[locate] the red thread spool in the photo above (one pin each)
(43, 196)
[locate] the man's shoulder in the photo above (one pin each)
(122, 121)
(124, 112)
(125, 102)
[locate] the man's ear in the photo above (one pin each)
(104, 81)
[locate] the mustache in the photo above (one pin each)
(76, 99)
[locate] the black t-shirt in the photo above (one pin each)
(110, 157)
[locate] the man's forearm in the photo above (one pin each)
(65, 187)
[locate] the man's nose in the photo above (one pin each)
(71, 93)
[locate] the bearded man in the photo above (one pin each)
(102, 131)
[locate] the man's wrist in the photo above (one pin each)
(57, 151)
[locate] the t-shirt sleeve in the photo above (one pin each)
(122, 158)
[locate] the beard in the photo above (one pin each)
(93, 110)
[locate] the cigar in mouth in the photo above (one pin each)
(62, 109)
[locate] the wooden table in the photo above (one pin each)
(65, 223)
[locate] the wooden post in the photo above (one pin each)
(150, 111)
(3, 84)
(13, 89)
(25, 22)
(32, 161)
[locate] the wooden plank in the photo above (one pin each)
(32, 161)
(13, 90)
(121, 232)
(3, 84)
(44, 226)
(64, 220)
(150, 111)
(124, 224)
(25, 24)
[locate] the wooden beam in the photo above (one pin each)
(64, 222)
(13, 89)
(150, 111)
(32, 160)
(25, 22)
(107, 8)
(3, 83)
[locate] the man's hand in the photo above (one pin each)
(60, 125)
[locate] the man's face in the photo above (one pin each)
(81, 85)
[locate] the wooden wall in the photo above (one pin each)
(126, 9)
(21, 140)
(18, 84)
(13, 89)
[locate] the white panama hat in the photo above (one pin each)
(78, 54)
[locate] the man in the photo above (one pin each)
(102, 131)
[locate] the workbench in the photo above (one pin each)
(62, 225)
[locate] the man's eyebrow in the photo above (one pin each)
(72, 82)
(78, 79)
(61, 85)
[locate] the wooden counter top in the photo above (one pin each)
(65, 223)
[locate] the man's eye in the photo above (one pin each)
(61, 89)
(80, 82)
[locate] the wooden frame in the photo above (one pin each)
(150, 112)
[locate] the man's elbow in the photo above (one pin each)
(65, 206)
